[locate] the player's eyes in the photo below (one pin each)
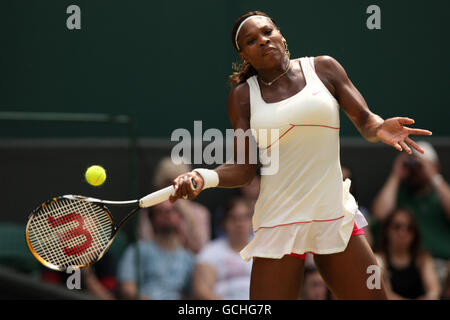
(266, 32)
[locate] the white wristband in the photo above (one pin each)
(437, 180)
(210, 177)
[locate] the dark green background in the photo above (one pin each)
(167, 62)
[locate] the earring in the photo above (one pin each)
(236, 66)
(286, 49)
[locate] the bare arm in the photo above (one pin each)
(128, 291)
(443, 191)
(381, 258)
(94, 285)
(349, 98)
(204, 281)
(196, 229)
(429, 278)
(386, 199)
(237, 175)
(371, 126)
(231, 175)
(438, 183)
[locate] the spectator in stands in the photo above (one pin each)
(314, 287)
(446, 291)
(220, 272)
(195, 229)
(163, 266)
(99, 280)
(409, 271)
(415, 183)
(249, 192)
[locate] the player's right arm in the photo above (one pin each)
(235, 175)
(231, 175)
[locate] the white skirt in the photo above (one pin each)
(320, 237)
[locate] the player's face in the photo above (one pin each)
(261, 43)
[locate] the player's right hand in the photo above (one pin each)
(184, 188)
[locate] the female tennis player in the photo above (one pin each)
(305, 206)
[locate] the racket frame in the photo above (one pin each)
(101, 203)
(147, 201)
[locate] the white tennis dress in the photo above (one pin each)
(305, 206)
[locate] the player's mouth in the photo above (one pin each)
(267, 51)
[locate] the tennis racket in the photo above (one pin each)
(76, 231)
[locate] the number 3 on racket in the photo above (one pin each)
(76, 231)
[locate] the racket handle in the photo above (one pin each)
(161, 195)
(156, 197)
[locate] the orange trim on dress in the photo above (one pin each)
(287, 224)
(301, 125)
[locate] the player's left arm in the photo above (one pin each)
(371, 126)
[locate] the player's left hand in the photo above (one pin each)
(394, 133)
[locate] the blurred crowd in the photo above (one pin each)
(184, 251)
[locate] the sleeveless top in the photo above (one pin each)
(407, 281)
(302, 186)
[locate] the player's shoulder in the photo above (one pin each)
(240, 92)
(329, 69)
(239, 102)
(325, 62)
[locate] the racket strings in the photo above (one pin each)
(70, 232)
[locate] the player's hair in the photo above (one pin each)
(246, 69)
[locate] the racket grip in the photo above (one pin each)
(156, 197)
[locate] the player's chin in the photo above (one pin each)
(272, 53)
(272, 58)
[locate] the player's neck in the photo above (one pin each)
(272, 73)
